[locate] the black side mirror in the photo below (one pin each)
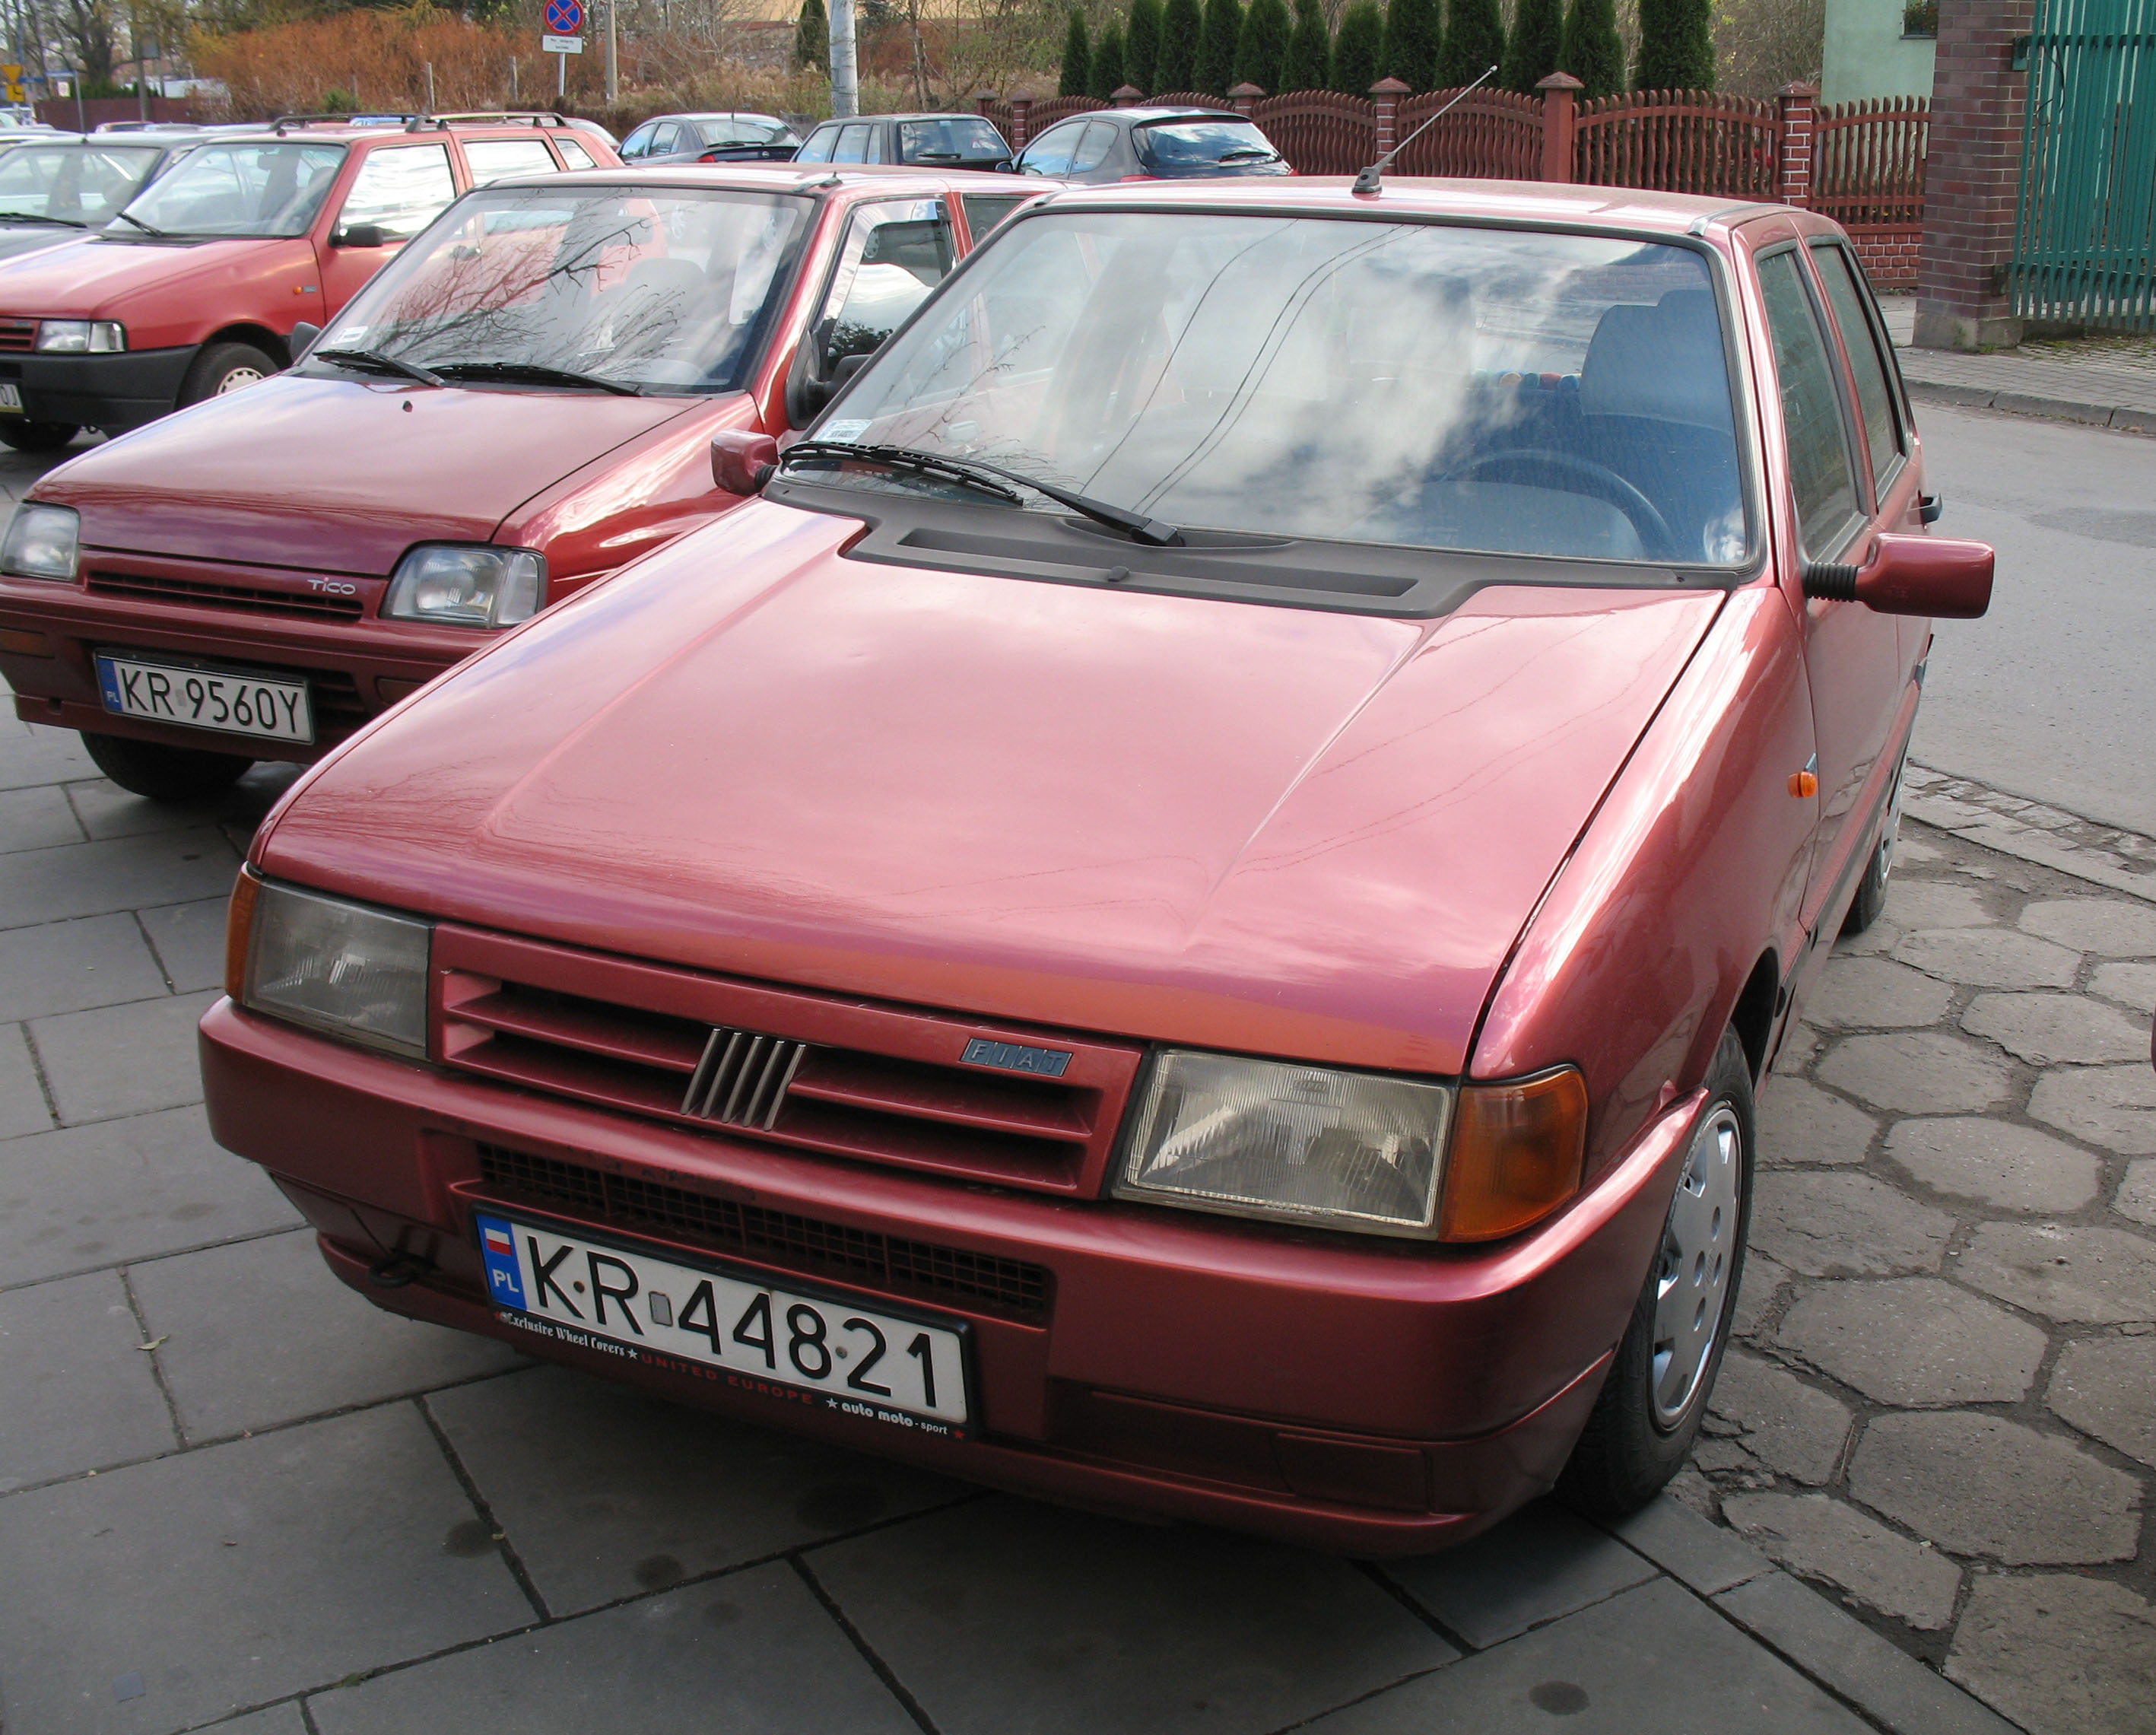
(1006, 166)
(362, 234)
(303, 335)
(845, 368)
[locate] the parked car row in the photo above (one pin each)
(1144, 843)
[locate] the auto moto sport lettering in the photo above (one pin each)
(535, 1286)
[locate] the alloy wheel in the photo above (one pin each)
(1693, 1279)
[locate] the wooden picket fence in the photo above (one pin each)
(1861, 163)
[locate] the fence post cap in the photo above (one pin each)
(1125, 94)
(1798, 88)
(1385, 87)
(1246, 88)
(1559, 81)
(984, 95)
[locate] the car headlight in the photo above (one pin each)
(461, 585)
(341, 968)
(1359, 1151)
(82, 337)
(42, 542)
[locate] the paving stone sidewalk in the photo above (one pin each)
(2105, 382)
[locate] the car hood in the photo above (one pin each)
(340, 475)
(85, 277)
(17, 239)
(1279, 830)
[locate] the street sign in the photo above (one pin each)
(562, 44)
(564, 18)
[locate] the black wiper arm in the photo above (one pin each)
(40, 217)
(1252, 155)
(977, 472)
(535, 373)
(367, 360)
(147, 229)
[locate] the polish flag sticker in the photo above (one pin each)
(498, 1241)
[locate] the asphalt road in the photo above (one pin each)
(2051, 696)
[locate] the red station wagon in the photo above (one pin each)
(522, 402)
(195, 288)
(1185, 914)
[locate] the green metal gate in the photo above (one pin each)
(2085, 236)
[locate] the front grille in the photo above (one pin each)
(845, 1078)
(778, 1238)
(253, 599)
(18, 335)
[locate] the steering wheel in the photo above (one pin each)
(1606, 485)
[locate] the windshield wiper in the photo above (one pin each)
(40, 217)
(978, 473)
(161, 234)
(367, 360)
(1251, 155)
(535, 373)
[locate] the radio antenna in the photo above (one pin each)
(1368, 181)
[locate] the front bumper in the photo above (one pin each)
(1371, 1398)
(355, 669)
(111, 392)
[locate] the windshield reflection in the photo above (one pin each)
(1405, 383)
(661, 290)
(258, 189)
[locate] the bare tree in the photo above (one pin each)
(1761, 45)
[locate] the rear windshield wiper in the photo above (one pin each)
(367, 360)
(1250, 154)
(536, 373)
(40, 217)
(977, 473)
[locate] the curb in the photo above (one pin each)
(2107, 855)
(2132, 418)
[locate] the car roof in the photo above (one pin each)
(895, 179)
(720, 115)
(1528, 202)
(105, 141)
(924, 114)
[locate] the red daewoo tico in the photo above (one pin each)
(1185, 914)
(523, 402)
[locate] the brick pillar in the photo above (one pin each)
(1560, 121)
(1021, 119)
(1127, 96)
(1386, 93)
(1973, 179)
(1793, 173)
(1244, 97)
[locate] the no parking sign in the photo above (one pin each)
(565, 19)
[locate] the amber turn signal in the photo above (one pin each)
(1804, 784)
(25, 643)
(1516, 1155)
(239, 929)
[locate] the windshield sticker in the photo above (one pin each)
(847, 431)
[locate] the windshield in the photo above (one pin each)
(738, 129)
(663, 290)
(1168, 146)
(241, 189)
(73, 183)
(1392, 382)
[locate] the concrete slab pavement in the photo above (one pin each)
(2102, 382)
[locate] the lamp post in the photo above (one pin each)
(613, 59)
(845, 73)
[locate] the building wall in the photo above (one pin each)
(1867, 55)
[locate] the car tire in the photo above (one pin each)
(1648, 1412)
(223, 368)
(1871, 890)
(163, 773)
(36, 436)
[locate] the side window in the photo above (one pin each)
(495, 159)
(1819, 472)
(895, 252)
(818, 149)
(399, 191)
(853, 145)
(637, 143)
(1851, 299)
(665, 139)
(1093, 149)
(573, 153)
(985, 210)
(1050, 154)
